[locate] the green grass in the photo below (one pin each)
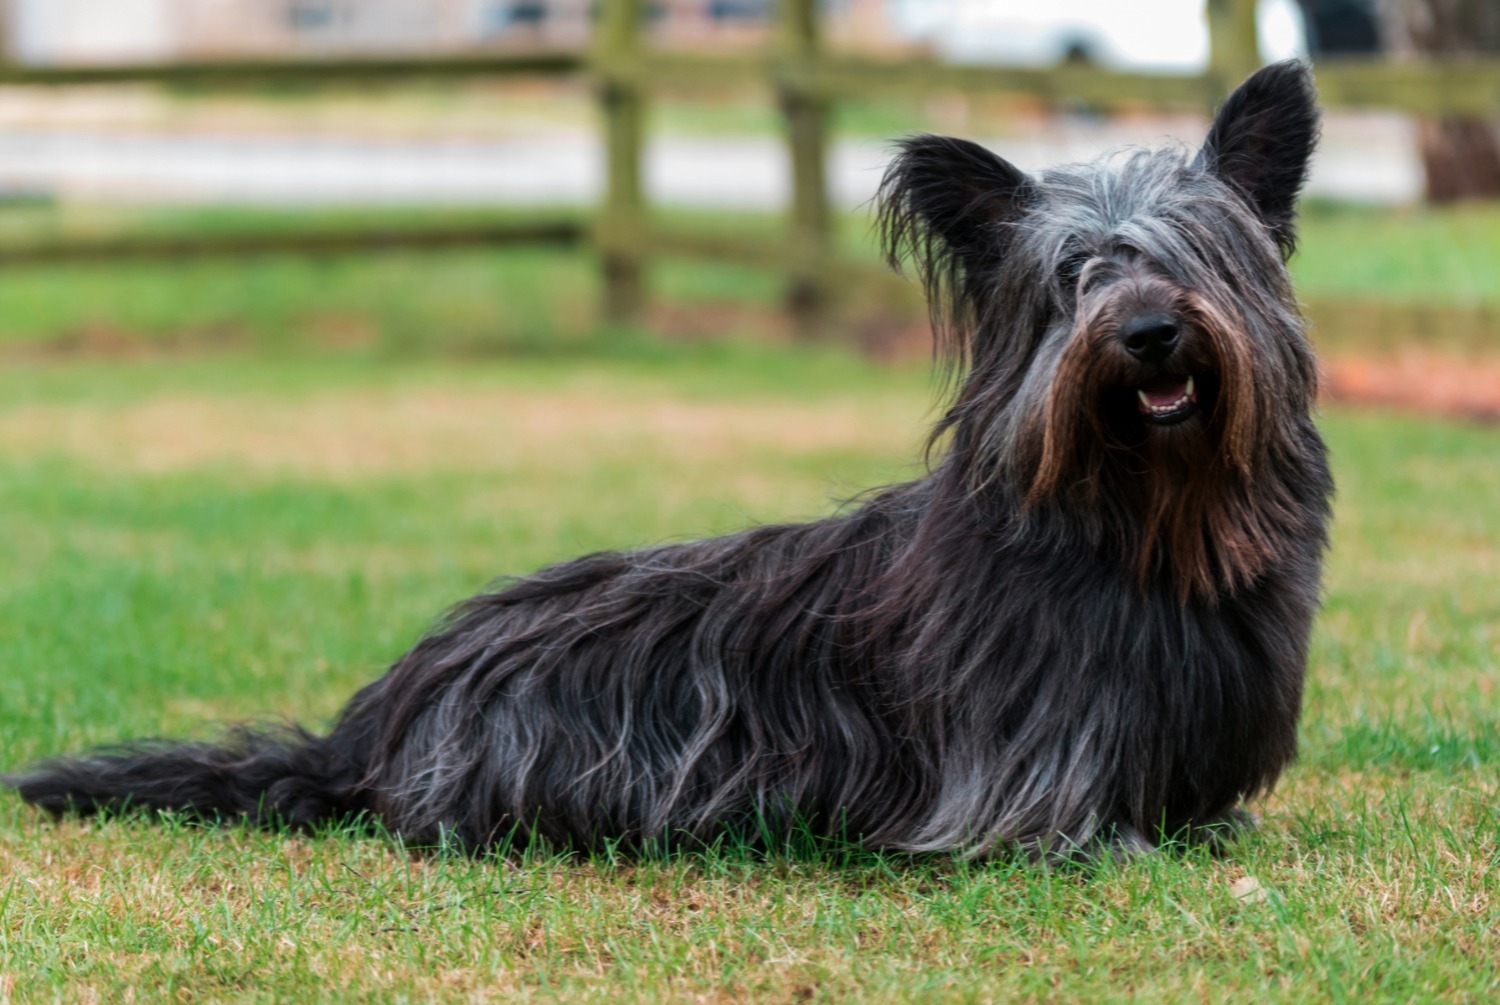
(197, 538)
(1415, 255)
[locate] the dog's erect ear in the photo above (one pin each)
(940, 200)
(1261, 142)
(941, 203)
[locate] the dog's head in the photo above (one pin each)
(1126, 328)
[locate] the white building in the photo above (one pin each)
(104, 31)
(1167, 35)
(1154, 34)
(65, 31)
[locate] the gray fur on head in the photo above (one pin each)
(1087, 623)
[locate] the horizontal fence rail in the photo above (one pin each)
(1462, 87)
(807, 82)
(253, 72)
(310, 240)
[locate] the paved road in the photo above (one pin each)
(1367, 158)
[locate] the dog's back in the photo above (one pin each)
(1088, 623)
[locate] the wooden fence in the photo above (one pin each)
(807, 80)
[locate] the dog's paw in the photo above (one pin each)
(1218, 833)
(1118, 845)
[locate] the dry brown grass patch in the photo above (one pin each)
(351, 434)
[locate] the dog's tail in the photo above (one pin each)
(269, 777)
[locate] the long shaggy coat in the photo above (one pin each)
(1088, 622)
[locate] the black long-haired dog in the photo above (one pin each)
(1088, 623)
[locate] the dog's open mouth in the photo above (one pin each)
(1167, 399)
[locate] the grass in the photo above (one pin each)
(1413, 255)
(195, 538)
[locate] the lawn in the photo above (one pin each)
(196, 537)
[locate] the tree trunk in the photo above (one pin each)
(1461, 156)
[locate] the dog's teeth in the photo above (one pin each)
(1189, 393)
(1145, 400)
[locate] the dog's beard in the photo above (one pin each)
(1176, 445)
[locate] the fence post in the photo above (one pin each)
(806, 116)
(622, 223)
(1233, 44)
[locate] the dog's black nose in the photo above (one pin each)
(1150, 338)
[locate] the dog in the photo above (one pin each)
(1085, 626)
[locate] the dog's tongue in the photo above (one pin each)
(1165, 392)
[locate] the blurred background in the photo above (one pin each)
(486, 175)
